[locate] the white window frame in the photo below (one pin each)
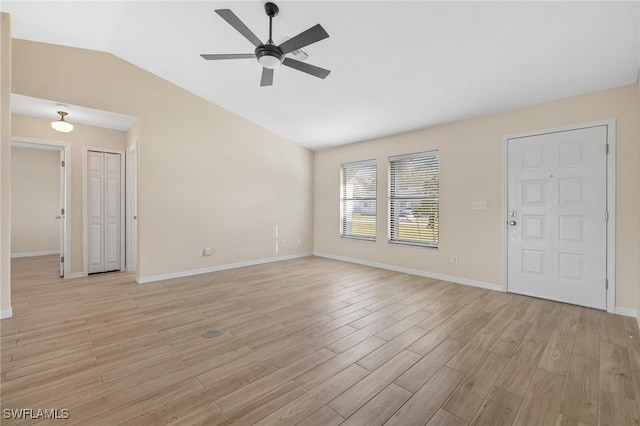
(344, 199)
(393, 198)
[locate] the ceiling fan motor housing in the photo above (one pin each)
(269, 56)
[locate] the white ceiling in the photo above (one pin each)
(396, 66)
(45, 108)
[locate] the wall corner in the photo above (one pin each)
(5, 166)
(638, 145)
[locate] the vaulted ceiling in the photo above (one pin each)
(395, 66)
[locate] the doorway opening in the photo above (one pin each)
(41, 201)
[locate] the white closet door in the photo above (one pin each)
(112, 212)
(95, 211)
(103, 211)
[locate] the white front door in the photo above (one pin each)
(103, 211)
(556, 209)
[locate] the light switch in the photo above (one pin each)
(479, 205)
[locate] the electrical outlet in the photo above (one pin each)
(207, 251)
(454, 258)
(299, 241)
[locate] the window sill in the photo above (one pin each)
(349, 237)
(406, 243)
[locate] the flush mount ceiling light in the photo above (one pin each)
(61, 125)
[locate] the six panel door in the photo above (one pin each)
(556, 228)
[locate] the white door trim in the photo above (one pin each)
(611, 200)
(131, 207)
(85, 235)
(65, 147)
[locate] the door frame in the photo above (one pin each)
(65, 148)
(85, 230)
(611, 200)
(132, 207)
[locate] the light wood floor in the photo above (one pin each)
(310, 341)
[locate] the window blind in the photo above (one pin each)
(358, 200)
(413, 199)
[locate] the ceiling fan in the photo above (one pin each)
(268, 54)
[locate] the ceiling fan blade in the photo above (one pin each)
(308, 68)
(236, 23)
(215, 56)
(305, 38)
(267, 77)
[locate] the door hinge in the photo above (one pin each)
(61, 259)
(606, 283)
(62, 211)
(62, 163)
(606, 216)
(607, 148)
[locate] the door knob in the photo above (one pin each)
(512, 223)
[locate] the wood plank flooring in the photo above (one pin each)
(309, 341)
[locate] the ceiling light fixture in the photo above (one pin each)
(61, 125)
(269, 56)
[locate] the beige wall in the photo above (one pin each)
(5, 165)
(471, 169)
(35, 200)
(206, 178)
(638, 168)
(82, 136)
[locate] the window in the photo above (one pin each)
(413, 199)
(358, 200)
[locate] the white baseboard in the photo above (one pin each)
(412, 271)
(181, 274)
(6, 314)
(34, 253)
(627, 312)
(75, 275)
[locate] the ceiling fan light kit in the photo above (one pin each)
(269, 55)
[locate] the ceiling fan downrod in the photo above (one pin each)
(272, 11)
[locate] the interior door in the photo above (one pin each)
(63, 213)
(131, 208)
(104, 211)
(112, 210)
(95, 211)
(557, 213)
